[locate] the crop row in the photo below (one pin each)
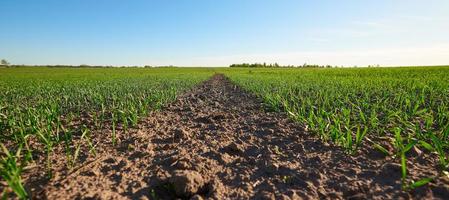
(40, 108)
(407, 107)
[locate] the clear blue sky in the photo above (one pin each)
(218, 33)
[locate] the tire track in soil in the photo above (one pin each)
(217, 142)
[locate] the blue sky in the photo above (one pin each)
(219, 33)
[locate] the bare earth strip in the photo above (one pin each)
(217, 142)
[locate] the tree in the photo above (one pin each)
(4, 62)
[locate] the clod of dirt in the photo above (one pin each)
(215, 189)
(182, 164)
(226, 158)
(265, 195)
(218, 116)
(180, 135)
(271, 166)
(234, 149)
(196, 197)
(391, 168)
(293, 196)
(186, 183)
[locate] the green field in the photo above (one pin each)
(402, 107)
(40, 104)
(343, 105)
(353, 108)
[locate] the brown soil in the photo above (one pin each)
(218, 142)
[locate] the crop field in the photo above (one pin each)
(166, 133)
(391, 110)
(42, 108)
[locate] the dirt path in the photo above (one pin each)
(217, 142)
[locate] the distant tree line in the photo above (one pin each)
(4, 63)
(276, 65)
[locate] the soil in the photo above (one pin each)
(218, 142)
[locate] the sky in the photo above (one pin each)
(220, 33)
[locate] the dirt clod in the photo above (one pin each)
(391, 168)
(265, 195)
(234, 149)
(196, 197)
(180, 135)
(186, 183)
(182, 164)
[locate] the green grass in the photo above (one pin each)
(11, 171)
(407, 106)
(42, 104)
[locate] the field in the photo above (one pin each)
(410, 105)
(392, 110)
(239, 133)
(46, 108)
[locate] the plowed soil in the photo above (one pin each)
(218, 142)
